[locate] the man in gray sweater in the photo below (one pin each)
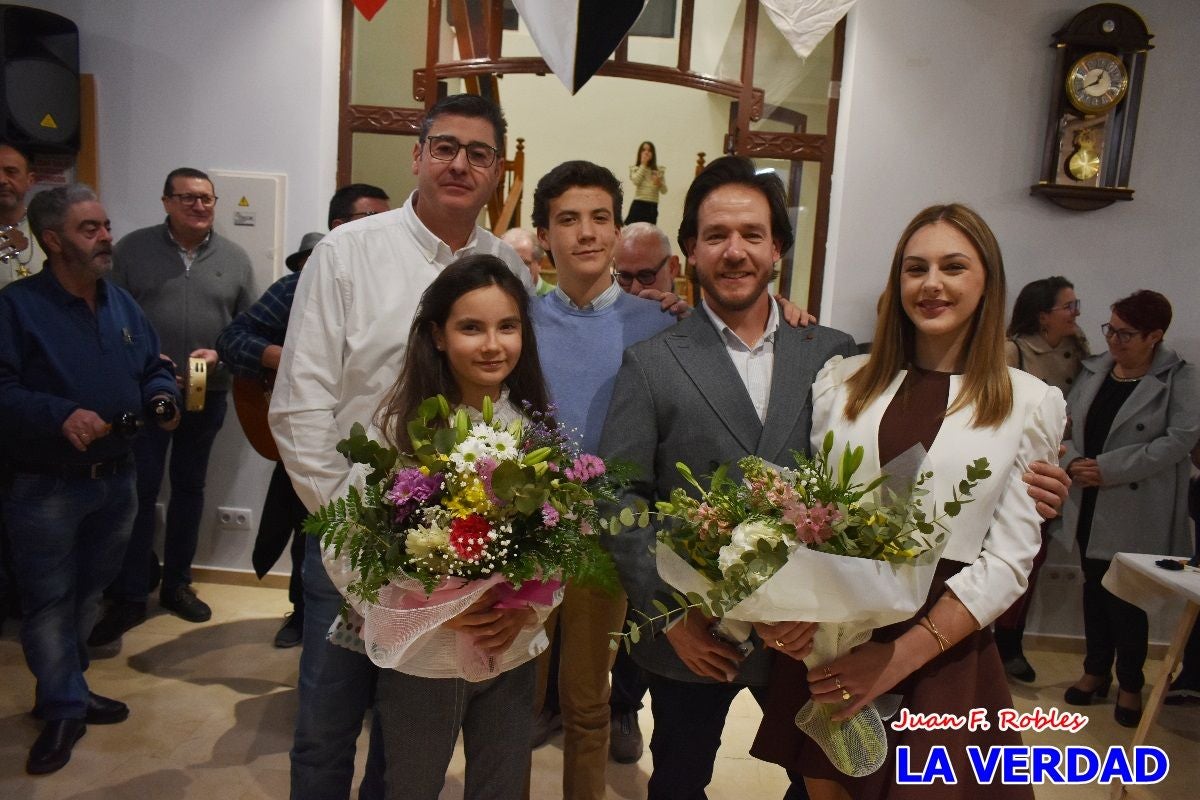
(190, 281)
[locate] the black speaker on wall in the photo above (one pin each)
(39, 80)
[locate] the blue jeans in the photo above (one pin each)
(67, 537)
(337, 686)
(190, 445)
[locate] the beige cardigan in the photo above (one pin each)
(1057, 366)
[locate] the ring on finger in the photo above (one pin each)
(828, 674)
(779, 644)
(838, 683)
(846, 695)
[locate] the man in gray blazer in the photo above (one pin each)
(727, 382)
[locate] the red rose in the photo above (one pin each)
(469, 536)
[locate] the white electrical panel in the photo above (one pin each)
(251, 213)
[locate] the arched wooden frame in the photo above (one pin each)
(479, 42)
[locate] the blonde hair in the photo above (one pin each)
(985, 383)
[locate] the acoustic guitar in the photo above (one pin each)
(252, 400)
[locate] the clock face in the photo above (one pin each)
(1097, 82)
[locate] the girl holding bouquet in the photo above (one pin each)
(471, 338)
(936, 377)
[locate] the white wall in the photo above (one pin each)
(947, 100)
(219, 84)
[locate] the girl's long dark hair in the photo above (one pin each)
(637, 160)
(426, 371)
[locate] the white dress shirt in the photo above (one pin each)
(347, 335)
(754, 362)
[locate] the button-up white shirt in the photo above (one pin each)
(347, 335)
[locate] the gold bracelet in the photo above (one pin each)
(942, 641)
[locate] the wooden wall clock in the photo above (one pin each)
(1097, 87)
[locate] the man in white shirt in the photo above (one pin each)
(345, 344)
(16, 176)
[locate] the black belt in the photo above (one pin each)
(100, 469)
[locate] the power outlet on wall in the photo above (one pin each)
(234, 519)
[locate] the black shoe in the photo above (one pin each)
(105, 710)
(1081, 697)
(182, 601)
(1125, 716)
(121, 616)
(52, 750)
(292, 632)
(101, 710)
(1019, 669)
(625, 738)
(545, 725)
(1184, 689)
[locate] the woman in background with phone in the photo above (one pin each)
(648, 184)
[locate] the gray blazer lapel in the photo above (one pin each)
(1088, 389)
(1147, 390)
(796, 366)
(698, 348)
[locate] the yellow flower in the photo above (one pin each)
(468, 499)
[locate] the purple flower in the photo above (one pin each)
(410, 488)
(585, 468)
(410, 485)
(549, 515)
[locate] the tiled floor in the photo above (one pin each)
(213, 705)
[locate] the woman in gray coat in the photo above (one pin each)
(1135, 415)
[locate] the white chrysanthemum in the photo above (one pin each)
(745, 538)
(484, 441)
(501, 443)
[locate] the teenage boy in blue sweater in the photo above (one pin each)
(583, 327)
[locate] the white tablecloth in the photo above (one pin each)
(1134, 578)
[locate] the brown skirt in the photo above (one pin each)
(967, 676)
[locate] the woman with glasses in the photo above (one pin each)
(1043, 338)
(1044, 341)
(1135, 415)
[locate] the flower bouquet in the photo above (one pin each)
(475, 505)
(808, 544)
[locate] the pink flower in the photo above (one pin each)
(585, 468)
(484, 467)
(549, 515)
(813, 525)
